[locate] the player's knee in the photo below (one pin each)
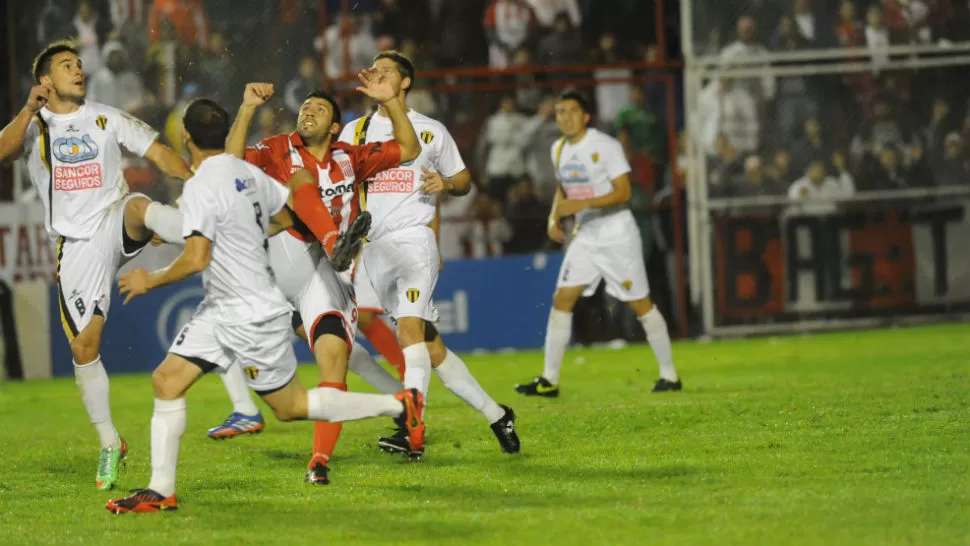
(410, 330)
(564, 300)
(163, 385)
(292, 410)
(641, 307)
(84, 350)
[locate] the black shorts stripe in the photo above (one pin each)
(202, 363)
(70, 328)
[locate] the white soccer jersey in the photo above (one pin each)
(393, 197)
(586, 170)
(230, 202)
(74, 162)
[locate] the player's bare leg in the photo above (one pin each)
(655, 327)
(92, 382)
(558, 332)
(455, 375)
(331, 354)
(170, 381)
(382, 337)
(176, 375)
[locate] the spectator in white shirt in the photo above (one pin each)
(505, 154)
(361, 47)
(509, 25)
(877, 38)
(116, 85)
(817, 192)
(728, 109)
(746, 46)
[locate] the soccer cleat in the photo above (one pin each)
(540, 386)
(238, 424)
(504, 430)
(664, 385)
(397, 442)
(414, 424)
(143, 501)
(349, 243)
(108, 463)
(318, 473)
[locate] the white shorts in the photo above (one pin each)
(367, 299)
(620, 264)
(86, 269)
(329, 293)
(293, 262)
(264, 350)
(403, 270)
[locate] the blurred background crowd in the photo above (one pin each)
(150, 57)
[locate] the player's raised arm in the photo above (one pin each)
(168, 161)
(255, 95)
(12, 136)
(376, 86)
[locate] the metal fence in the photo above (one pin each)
(828, 169)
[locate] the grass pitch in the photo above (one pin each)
(854, 438)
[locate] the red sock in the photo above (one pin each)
(309, 207)
(382, 338)
(325, 433)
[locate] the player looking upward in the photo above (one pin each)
(228, 206)
(331, 173)
(72, 148)
(400, 261)
(594, 187)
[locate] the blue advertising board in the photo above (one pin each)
(491, 304)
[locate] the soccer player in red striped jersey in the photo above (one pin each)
(324, 176)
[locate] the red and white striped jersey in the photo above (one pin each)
(338, 174)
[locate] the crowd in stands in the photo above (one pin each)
(832, 135)
(151, 57)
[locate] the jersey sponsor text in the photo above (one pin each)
(82, 177)
(392, 181)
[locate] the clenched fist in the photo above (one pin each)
(256, 94)
(38, 97)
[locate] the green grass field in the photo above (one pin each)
(843, 439)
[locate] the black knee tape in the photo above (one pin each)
(328, 324)
(296, 320)
(430, 332)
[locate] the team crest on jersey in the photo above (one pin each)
(596, 157)
(252, 372)
(102, 122)
(413, 294)
(627, 285)
(427, 137)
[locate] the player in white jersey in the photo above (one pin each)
(228, 206)
(594, 186)
(400, 262)
(72, 148)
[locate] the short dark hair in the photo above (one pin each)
(404, 65)
(42, 63)
(207, 124)
(574, 94)
(321, 94)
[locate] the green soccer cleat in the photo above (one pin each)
(108, 464)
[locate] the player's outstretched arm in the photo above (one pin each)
(255, 95)
(193, 259)
(376, 87)
(620, 195)
(12, 136)
(168, 161)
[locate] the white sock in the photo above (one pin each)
(92, 382)
(364, 365)
(235, 381)
(417, 368)
(168, 425)
(655, 327)
(455, 375)
(558, 331)
(337, 406)
(165, 221)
